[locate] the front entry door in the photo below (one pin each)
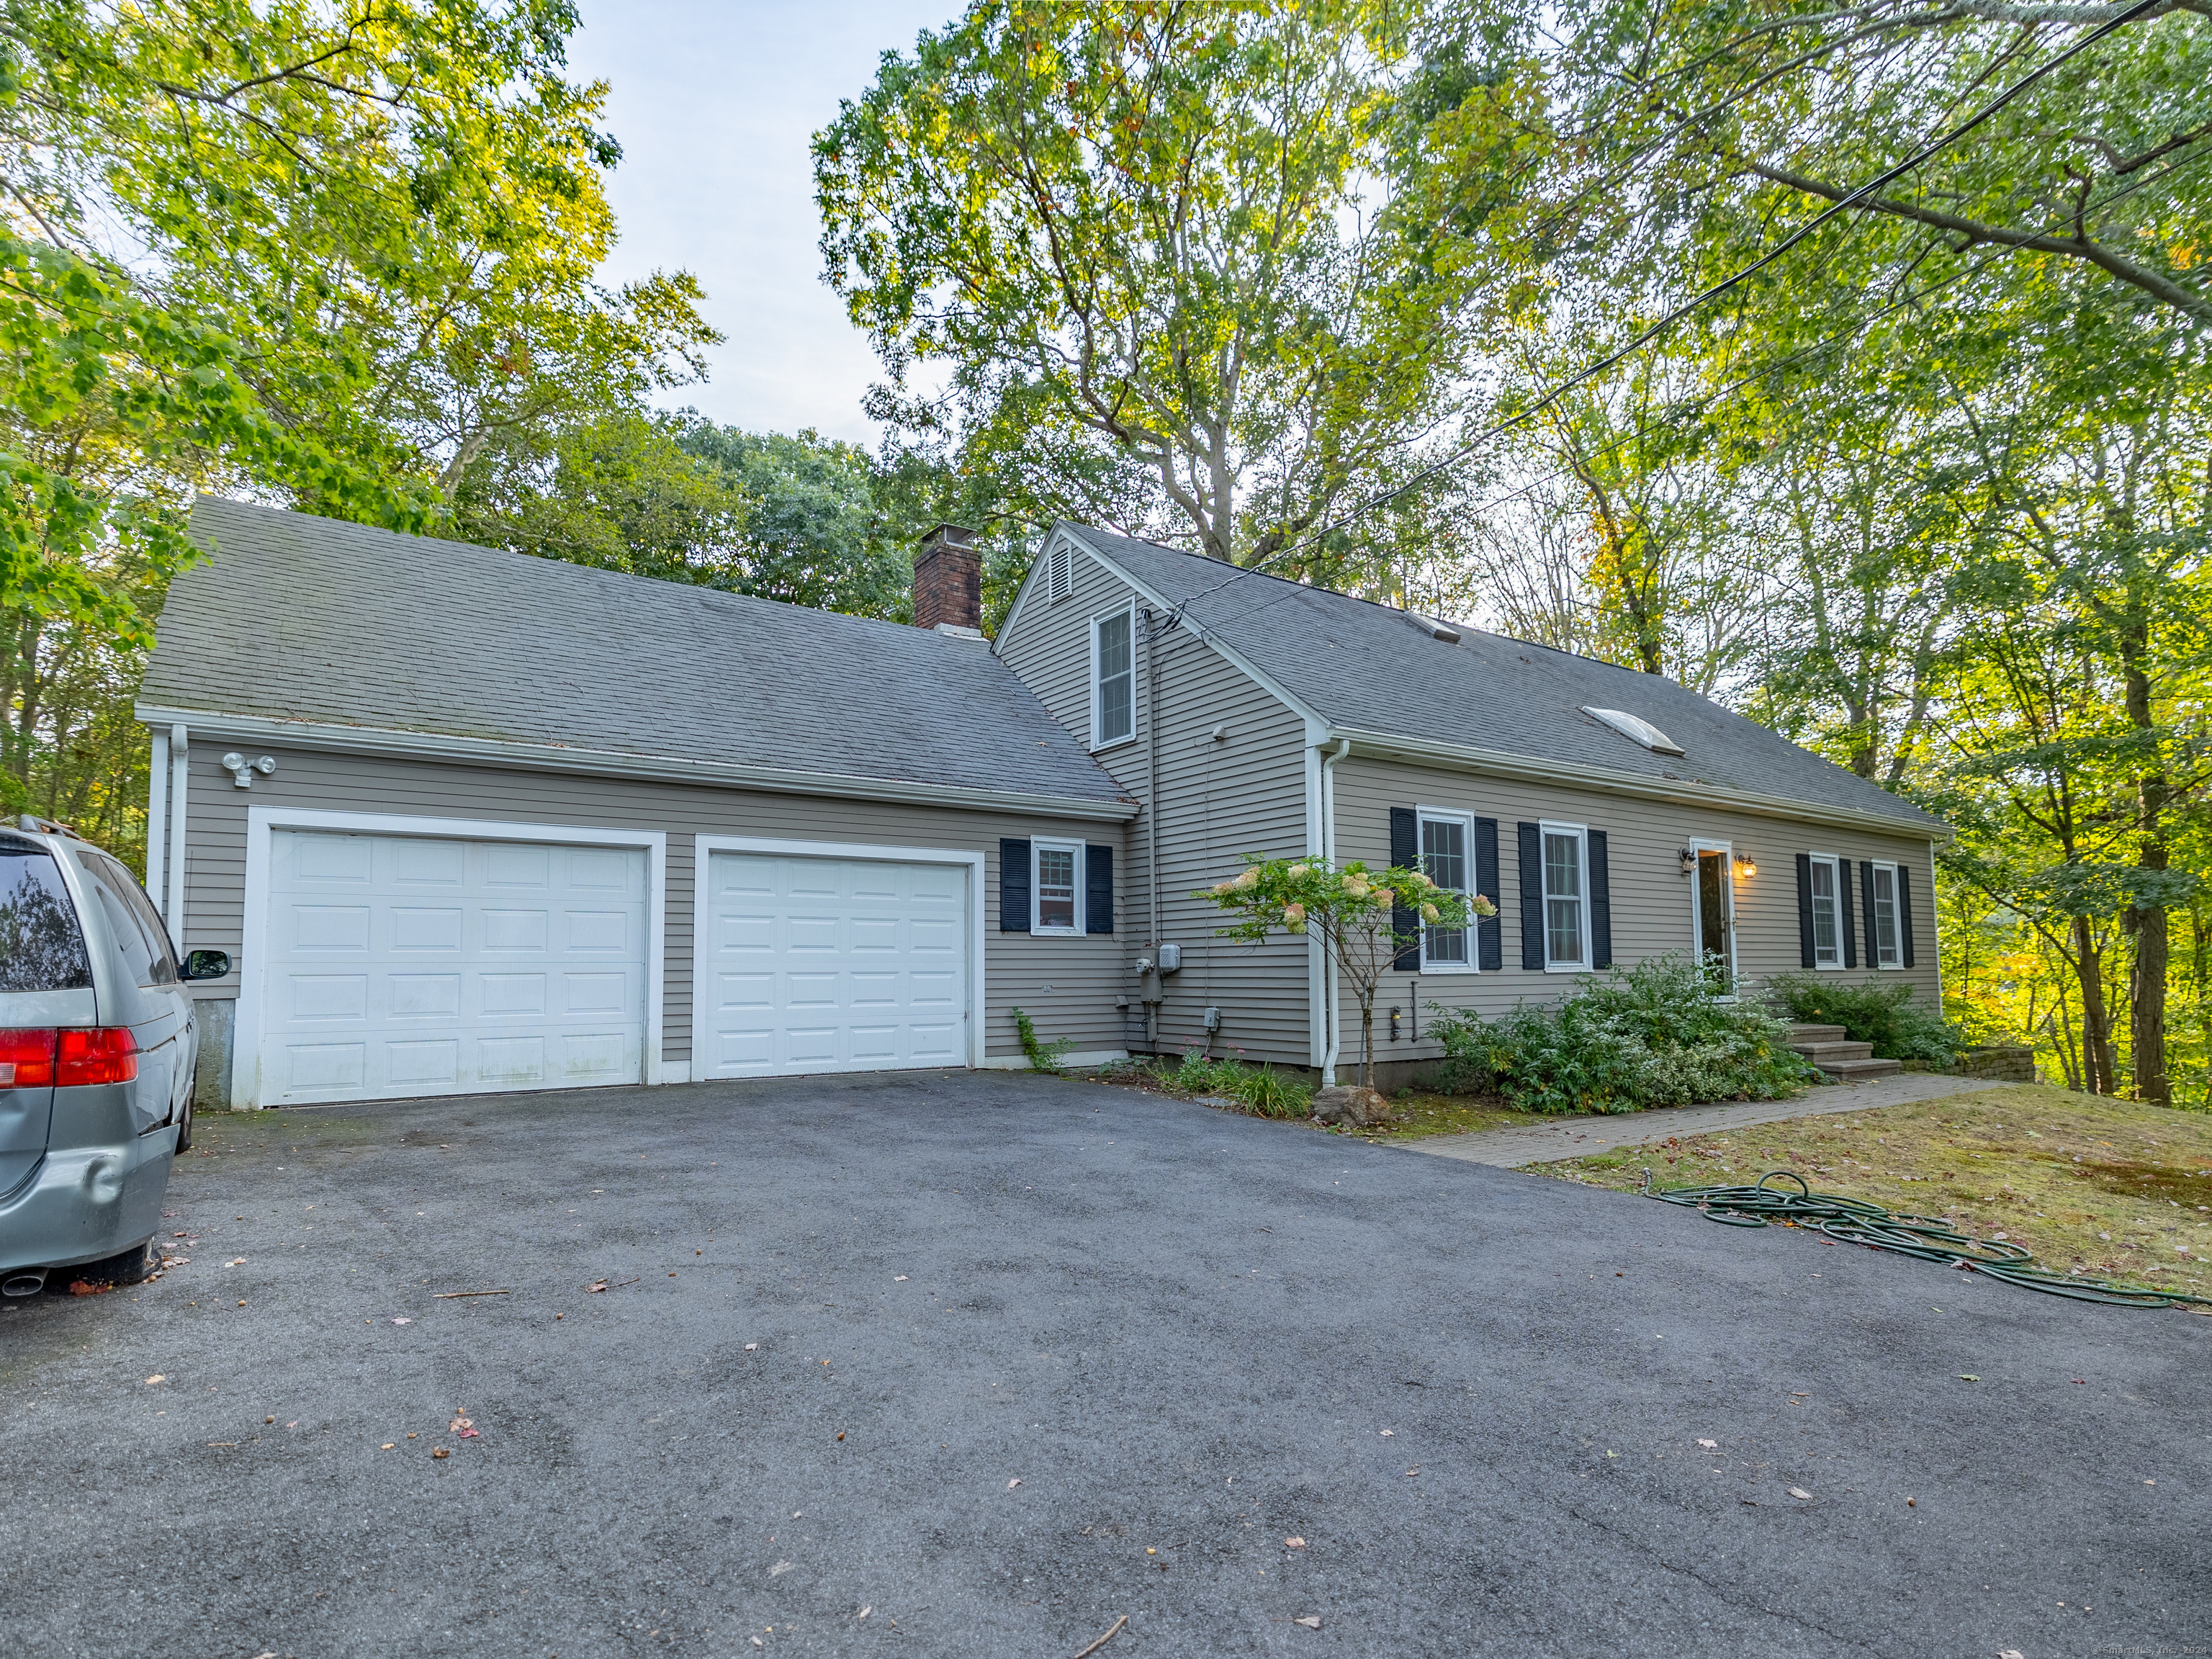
(1715, 919)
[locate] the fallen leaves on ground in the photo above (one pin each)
(1294, 1543)
(1710, 1445)
(440, 1451)
(595, 1286)
(159, 1376)
(1800, 1492)
(86, 1287)
(1310, 1622)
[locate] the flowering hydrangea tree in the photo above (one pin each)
(1352, 907)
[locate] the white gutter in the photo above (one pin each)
(157, 825)
(494, 751)
(1332, 995)
(1496, 763)
(179, 783)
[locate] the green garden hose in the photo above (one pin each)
(1855, 1221)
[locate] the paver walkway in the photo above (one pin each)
(1578, 1137)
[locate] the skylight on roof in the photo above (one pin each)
(1637, 731)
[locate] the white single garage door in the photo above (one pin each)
(830, 964)
(399, 965)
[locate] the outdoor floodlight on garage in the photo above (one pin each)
(241, 769)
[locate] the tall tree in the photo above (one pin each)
(1161, 237)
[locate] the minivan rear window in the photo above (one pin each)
(41, 946)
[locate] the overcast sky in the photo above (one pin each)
(714, 105)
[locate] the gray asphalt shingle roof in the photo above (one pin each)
(1369, 668)
(300, 618)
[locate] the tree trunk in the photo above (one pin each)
(2096, 1021)
(1367, 1039)
(2149, 923)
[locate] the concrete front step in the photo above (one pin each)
(1821, 1054)
(1829, 1048)
(1857, 1071)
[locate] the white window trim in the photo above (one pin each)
(1897, 922)
(1099, 745)
(1727, 850)
(1465, 821)
(1041, 843)
(1836, 875)
(261, 823)
(1581, 833)
(704, 847)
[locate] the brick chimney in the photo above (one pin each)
(948, 582)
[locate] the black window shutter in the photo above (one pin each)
(1490, 934)
(1805, 909)
(1013, 885)
(1844, 906)
(1532, 896)
(1406, 854)
(1097, 889)
(1601, 886)
(1866, 912)
(1905, 912)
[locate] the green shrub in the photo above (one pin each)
(1882, 1012)
(1262, 1092)
(1653, 1035)
(1043, 1056)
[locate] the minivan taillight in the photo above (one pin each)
(43, 1059)
(26, 1059)
(104, 1053)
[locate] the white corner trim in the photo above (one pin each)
(604, 762)
(1021, 1062)
(180, 782)
(261, 821)
(705, 846)
(157, 830)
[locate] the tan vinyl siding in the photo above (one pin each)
(1651, 896)
(1217, 799)
(1067, 985)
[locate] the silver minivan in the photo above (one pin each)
(97, 1047)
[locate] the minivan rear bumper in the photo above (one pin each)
(96, 1199)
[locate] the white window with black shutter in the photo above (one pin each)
(1885, 940)
(1566, 898)
(1823, 930)
(1448, 843)
(1056, 888)
(1113, 679)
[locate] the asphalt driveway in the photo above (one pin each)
(978, 1365)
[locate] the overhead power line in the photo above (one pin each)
(1733, 280)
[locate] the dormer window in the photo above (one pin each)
(1637, 730)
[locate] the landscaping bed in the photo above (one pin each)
(2115, 1189)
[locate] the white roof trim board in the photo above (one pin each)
(1636, 730)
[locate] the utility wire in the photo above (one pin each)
(1734, 279)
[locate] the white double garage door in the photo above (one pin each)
(402, 965)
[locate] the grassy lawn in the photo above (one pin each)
(1451, 1115)
(2120, 1190)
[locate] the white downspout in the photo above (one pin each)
(180, 778)
(1332, 995)
(157, 826)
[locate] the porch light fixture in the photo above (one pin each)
(1746, 866)
(1689, 856)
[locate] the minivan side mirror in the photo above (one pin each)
(205, 964)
